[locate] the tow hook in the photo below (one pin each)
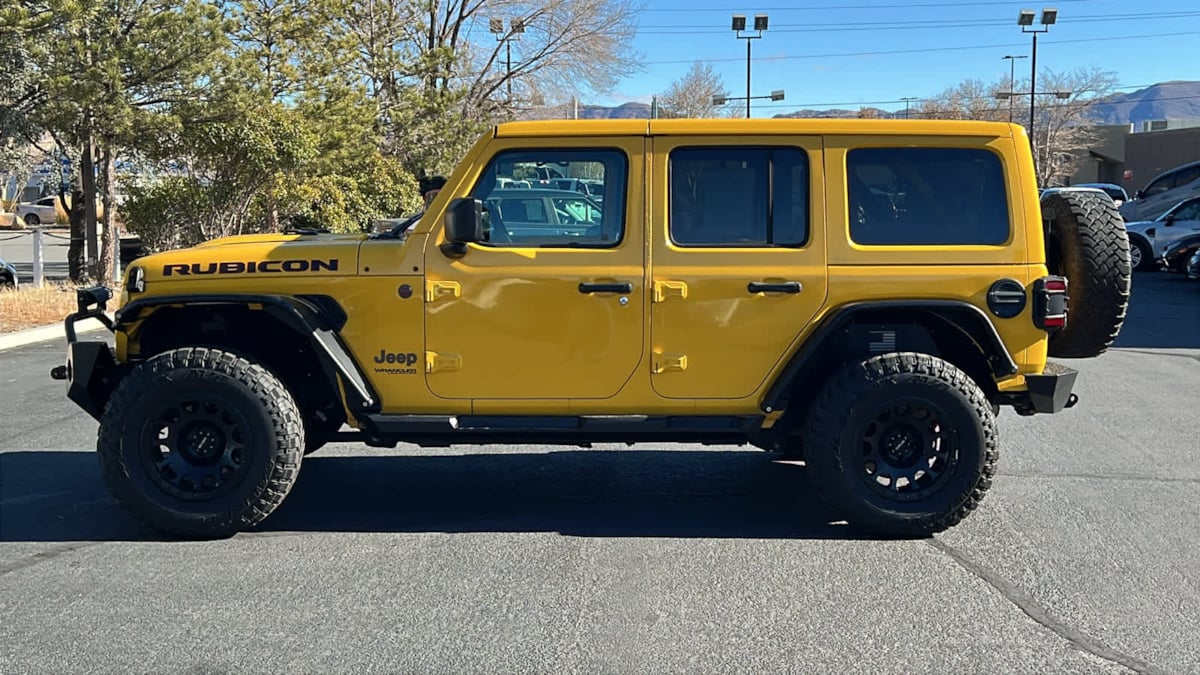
(1071, 401)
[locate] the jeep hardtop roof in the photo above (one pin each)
(749, 127)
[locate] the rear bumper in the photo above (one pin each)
(1048, 392)
(91, 371)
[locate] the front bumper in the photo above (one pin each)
(91, 371)
(1048, 392)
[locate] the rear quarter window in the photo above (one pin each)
(926, 197)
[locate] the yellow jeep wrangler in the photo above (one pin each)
(864, 295)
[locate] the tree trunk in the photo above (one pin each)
(88, 178)
(108, 250)
(76, 261)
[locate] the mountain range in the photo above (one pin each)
(1175, 100)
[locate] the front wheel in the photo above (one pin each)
(1141, 258)
(200, 442)
(902, 444)
(32, 220)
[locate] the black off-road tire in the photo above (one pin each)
(255, 415)
(1087, 243)
(844, 417)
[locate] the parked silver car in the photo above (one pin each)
(1148, 239)
(42, 211)
(1166, 190)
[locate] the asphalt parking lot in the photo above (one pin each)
(1085, 557)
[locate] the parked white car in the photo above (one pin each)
(1148, 239)
(40, 212)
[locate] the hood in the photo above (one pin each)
(257, 255)
(1141, 226)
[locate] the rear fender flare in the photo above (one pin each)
(966, 319)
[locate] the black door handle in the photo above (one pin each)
(781, 287)
(610, 287)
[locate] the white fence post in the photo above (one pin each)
(38, 275)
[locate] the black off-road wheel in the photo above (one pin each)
(1087, 243)
(200, 443)
(903, 444)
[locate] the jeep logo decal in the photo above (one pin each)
(251, 267)
(403, 362)
(403, 358)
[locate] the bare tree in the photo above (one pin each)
(1061, 132)
(967, 100)
(691, 96)
(439, 70)
(560, 47)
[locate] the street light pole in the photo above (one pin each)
(1025, 21)
(517, 27)
(1032, 82)
(1012, 79)
(748, 43)
(739, 25)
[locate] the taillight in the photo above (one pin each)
(1050, 303)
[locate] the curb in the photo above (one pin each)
(56, 331)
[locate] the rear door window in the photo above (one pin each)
(926, 197)
(739, 196)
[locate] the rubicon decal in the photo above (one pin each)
(251, 267)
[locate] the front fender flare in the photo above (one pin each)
(318, 317)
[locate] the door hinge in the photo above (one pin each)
(435, 362)
(436, 290)
(667, 289)
(665, 363)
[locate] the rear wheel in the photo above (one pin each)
(902, 444)
(200, 442)
(1088, 245)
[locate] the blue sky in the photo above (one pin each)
(826, 53)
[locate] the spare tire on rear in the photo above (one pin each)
(1086, 242)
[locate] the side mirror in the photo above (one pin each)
(1169, 220)
(1139, 194)
(464, 224)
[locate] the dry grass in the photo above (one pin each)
(30, 307)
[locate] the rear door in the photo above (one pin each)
(737, 258)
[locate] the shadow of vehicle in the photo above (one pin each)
(1162, 313)
(626, 493)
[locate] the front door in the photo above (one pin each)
(552, 306)
(738, 260)
(1184, 221)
